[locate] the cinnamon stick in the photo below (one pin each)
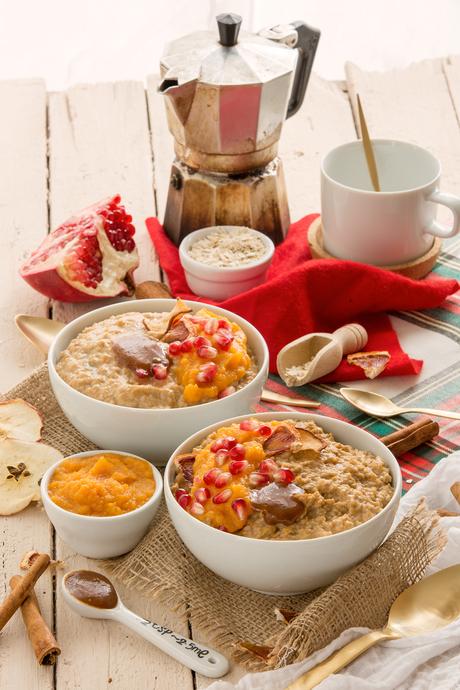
(14, 600)
(411, 436)
(42, 639)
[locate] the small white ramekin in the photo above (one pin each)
(101, 537)
(216, 282)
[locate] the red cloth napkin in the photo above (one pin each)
(303, 295)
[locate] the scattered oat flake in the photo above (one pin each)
(455, 490)
(228, 247)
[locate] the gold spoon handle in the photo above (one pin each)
(277, 399)
(338, 660)
(434, 413)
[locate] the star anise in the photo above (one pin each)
(16, 472)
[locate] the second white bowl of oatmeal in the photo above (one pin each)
(217, 282)
(150, 433)
(285, 566)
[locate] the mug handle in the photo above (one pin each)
(453, 203)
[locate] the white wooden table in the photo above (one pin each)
(62, 151)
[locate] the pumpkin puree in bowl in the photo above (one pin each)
(101, 485)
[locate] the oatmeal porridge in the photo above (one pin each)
(280, 480)
(159, 360)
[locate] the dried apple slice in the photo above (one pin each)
(185, 464)
(182, 329)
(180, 308)
(372, 363)
(20, 420)
(258, 650)
(308, 444)
(280, 441)
(22, 465)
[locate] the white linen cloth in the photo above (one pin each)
(429, 662)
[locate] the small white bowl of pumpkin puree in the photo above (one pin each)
(101, 502)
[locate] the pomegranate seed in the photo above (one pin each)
(197, 319)
(222, 497)
(241, 509)
(248, 425)
(226, 392)
(202, 495)
(160, 372)
(207, 352)
(268, 466)
(223, 323)
(222, 528)
(223, 479)
(175, 348)
(283, 476)
(237, 452)
(223, 339)
(179, 493)
(211, 326)
(200, 341)
(217, 445)
(225, 442)
(196, 508)
(264, 430)
(221, 457)
(187, 345)
(258, 479)
(142, 373)
(210, 476)
(237, 466)
(184, 501)
(206, 373)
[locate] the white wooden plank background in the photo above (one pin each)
(100, 144)
(23, 224)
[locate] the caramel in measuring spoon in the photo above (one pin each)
(92, 588)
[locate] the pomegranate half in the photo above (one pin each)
(90, 256)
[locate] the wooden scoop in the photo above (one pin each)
(318, 353)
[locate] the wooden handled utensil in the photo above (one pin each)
(368, 150)
(316, 354)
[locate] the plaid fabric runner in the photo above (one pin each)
(441, 390)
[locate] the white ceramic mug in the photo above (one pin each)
(393, 226)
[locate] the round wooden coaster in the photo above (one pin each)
(416, 269)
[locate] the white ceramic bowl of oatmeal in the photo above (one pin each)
(223, 261)
(152, 433)
(290, 565)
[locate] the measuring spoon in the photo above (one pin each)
(92, 595)
(319, 353)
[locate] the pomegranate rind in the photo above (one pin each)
(37, 457)
(20, 420)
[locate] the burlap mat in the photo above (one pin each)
(161, 567)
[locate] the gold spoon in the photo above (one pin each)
(379, 406)
(368, 150)
(429, 605)
(41, 333)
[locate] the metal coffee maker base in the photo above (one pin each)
(198, 199)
